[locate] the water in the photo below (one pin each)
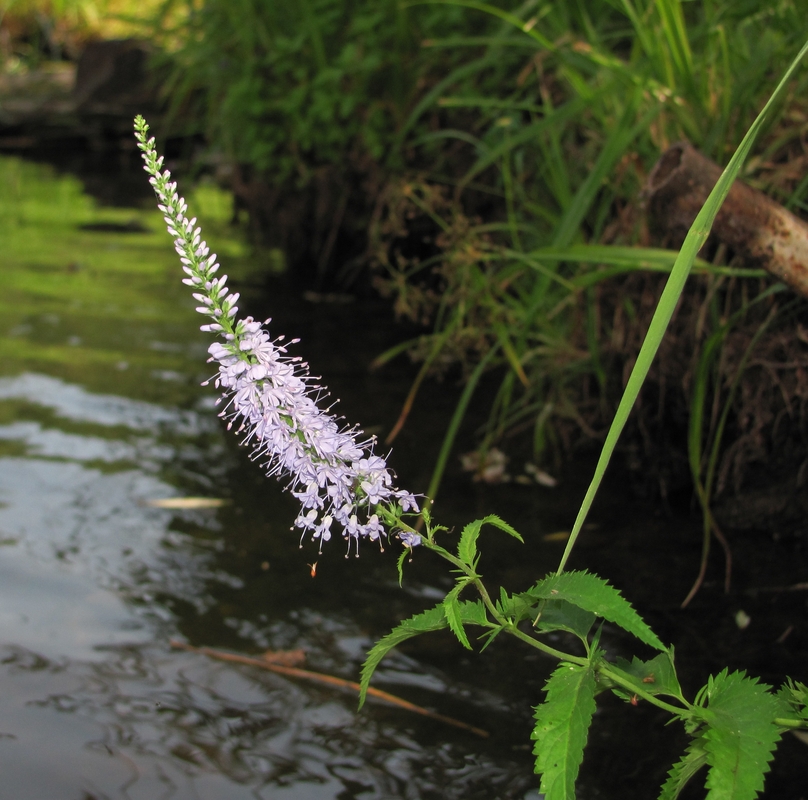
(102, 413)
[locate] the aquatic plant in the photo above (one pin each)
(270, 396)
(734, 722)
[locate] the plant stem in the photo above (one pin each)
(603, 668)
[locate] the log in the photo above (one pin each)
(755, 227)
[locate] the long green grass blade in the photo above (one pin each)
(457, 418)
(694, 240)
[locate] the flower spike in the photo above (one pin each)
(271, 398)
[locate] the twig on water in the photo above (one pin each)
(331, 680)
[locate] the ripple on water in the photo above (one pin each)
(93, 583)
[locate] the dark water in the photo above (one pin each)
(101, 413)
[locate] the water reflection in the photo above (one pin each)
(101, 412)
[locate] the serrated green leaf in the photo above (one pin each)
(432, 620)
(694, 758)
(593, 594)
(562, 726)
(451, 608)
(795, 695)
(657, 676)
(740, 736)
(400, 564)
(467, 547)
(560, 615)
(516, 607)
(473, 612)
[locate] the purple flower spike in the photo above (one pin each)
(270, 397)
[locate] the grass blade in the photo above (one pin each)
(694, 240)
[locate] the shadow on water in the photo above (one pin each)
(101, 412)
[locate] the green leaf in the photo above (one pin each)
(562, 725)
(795, 696)
(451, 608)
(467, 548)
(593, 594)
(559, 615)
(740, 736)
(432, 620)
(657, 676)
(682, 771)
(400, 564)
(473, 612)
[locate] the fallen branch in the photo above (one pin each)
(759, 230)
(330, 680)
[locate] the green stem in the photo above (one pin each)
(603, 669)
(791, 724)
(545, 648)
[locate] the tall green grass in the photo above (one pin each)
(516, 137)
(560, 150)
(287, 88)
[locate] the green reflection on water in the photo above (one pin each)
(102, 306)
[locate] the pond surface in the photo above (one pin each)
(102, 416)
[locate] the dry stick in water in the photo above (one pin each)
(331, 680)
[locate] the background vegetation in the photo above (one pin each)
(487, 161)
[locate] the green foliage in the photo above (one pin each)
(552, 151)
(467, 547)
(735, 722)
(435, 619)
(451, 609)
(657, 676)
(682, 771)
(287, 88)
(562, 726)
(593, 594)
(795, 694)
(432, 620)
(560, 615)
(740, 735)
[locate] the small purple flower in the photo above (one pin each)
(270, 397)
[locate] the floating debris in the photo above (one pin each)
(186, 503)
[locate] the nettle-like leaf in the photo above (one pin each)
(432, 620)
(561, 615)
(795, 695)
(515, 607)
(473, 612)
(740, 736)
(682, 771)
(467, 547)
(402, 557)
(465, 612)
(451, 608)
(562, 726)
(657, 676)
(593, 594)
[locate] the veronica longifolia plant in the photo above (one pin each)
(734, 722)
(271, 398)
